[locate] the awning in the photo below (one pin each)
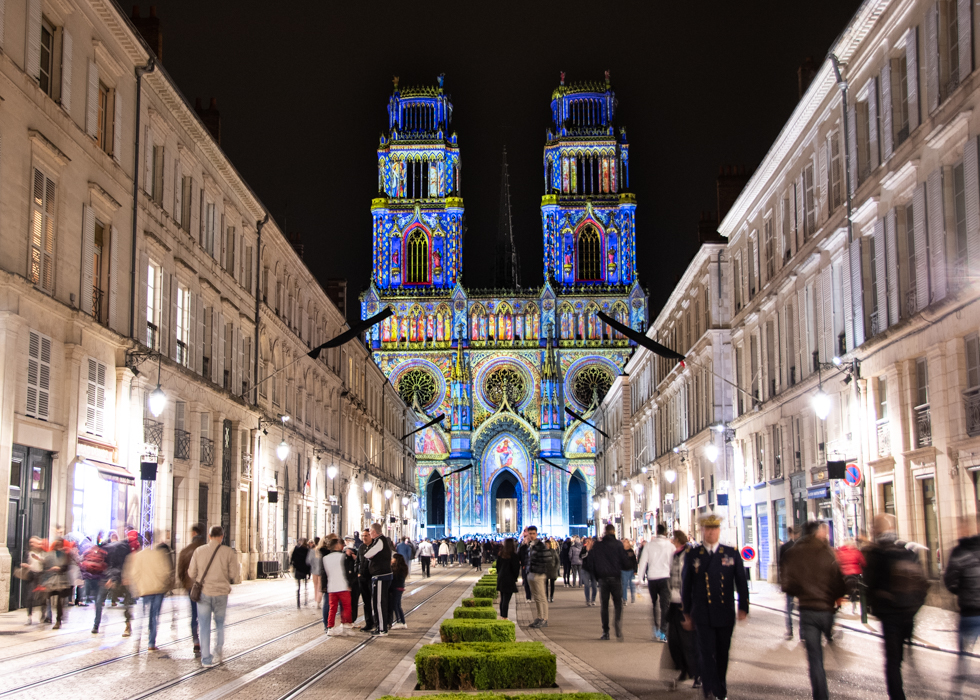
(112, 472)
(815, 492)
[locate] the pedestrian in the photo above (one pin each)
(216, 568)
(460, 551)
(897, 588)
(183, 564)
(606, 561)
(564, 555)
(851, 562)
(379, 556)
(425, 557)
(589, 582)
(301, 568)
(93, 568)
(655, 565)
(336, 567)
(407, 551)
(476, 555)
(811, 573)
(680, 641)
(539, 559)
(117, 551)
(150, 573)
(523, 556)
(399, 572)
(962, 579)
(783, 548)
(55, 581)
(712, 574)
(575, 559)
(31, 574)
(444, 554)
(314, 560)
(553, 568)
(350, 567)
(364, 581)
(629, 572)
(508, 569)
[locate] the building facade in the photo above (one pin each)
(502, 364)
(858, 238)
(133, 257)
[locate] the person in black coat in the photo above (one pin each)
(606, 561)
(508, 569)
(566, 560)
(301, 568)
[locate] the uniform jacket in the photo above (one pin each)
(709, 583)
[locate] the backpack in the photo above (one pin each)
(908, 584)
(94, 561)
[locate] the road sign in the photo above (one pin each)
(748, 553)
(853, 475)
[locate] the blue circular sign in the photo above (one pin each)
(748, 553)
(853, 475)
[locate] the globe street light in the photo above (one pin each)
(711, 452)
(283, 450)
(638, 488)
(404, 500)
(388, 494)
(331, 471)
(367, 487)
(158, 401)
(821, 404)
(670, 475)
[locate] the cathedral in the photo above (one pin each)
(503, 364)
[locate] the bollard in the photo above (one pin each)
(864, 608)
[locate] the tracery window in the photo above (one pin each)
(417, 271)
(417, 384)
(507, 380)
(589, 255)
(591, 382)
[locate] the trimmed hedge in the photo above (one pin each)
(501, 696)
(485, 666)
(474, 614)
(477, 631)
(487, 581)
(485, 591)
(477, 602)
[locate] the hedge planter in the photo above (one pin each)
(477, 631)
(474, 614)
(501, 696)
(484, 591)
(477, 602)
(485, 666)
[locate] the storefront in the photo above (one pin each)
(104, 497)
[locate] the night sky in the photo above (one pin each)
(303, 88)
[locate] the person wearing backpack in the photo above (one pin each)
(897, 588)
(962, 579)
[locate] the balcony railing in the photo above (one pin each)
(911, 303)
(182, 444)
(207, 451)
(97, 296)
(902, 135)
(884, 439)
(182, 357)
(151, 335)
(152, 432)
(874, 324)
(971, 402)
(923, 426)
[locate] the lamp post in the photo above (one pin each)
(331, 474)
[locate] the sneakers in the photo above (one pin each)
(197, 648)
(399, 626)
(604, 637)
(208, 664)
(128, 631)
(95, 630)
(659, 636)
(537, 623)
(380, 633)
(335, 632)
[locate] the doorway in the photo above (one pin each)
(505, 493)
(28, 509)
(578, 510)
(435, 502)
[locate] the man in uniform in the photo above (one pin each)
(712, 574)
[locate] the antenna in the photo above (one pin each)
(507, 272)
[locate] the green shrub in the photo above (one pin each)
(477, 602)
(475, 614)
(484, 591)
(477, 631)
(501, 696)
(487, 581)
(485, 666)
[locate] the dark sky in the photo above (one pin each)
(303, 89)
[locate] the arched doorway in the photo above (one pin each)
(435, 501)
(578, 510)
(506, 507)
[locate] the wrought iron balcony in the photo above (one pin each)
(874, 324)
(902, 135)
(884, 438)
(97, 297)
(182, 444)
(911, 303)
(207, 451)
(971, 402)
(152, 432)
(923, 426)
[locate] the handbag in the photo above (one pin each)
(198, 586)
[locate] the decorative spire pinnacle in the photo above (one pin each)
(507, 272)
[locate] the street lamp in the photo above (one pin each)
(711, 452)
(404, 500)
(619, 498)
(637, 488)
(388, 494)
(283, 450)
(367, 486)
(821, 404)
(158, 400)
(331, 472)
(670, 475)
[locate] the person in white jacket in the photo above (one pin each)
(654, 566)
(444, 554)
(425, 557)
(338, 589)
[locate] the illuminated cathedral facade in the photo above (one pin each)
(503, 364)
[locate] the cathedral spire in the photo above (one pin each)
(507, 271)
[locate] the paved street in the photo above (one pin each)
(273, 650)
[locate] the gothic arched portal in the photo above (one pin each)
(435, 501)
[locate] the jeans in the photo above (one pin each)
(895, 631)
(395, 605)
(379, 601)
(550, 588)
(425, 561)
(154, 601)
(814, 625)
(714, 644)
(111, 591)
(194, 627)
(206, 607)
(628, 585)
(505, 603)
(539, 593)
(680, 642)
(969, 630)
(566, 568)
(342, 599)
(91, 590)
(659, 592)
(574, 575)
(614, 587)
(789, 615)
(590, 584)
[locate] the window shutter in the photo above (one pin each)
(885, 107)
(215, 322)
(178, 186)
(800, 211)
(172, 335)
(198, 331)
(239, 351)
(891, 267)
(92, 113)
(180, 415)
(826, 315)
(164, 313)
(95, 398)
(220, 359)
(932, 57)
(852, 135)
(971, 187)
(191, 338)
(822, 183)
(34, 39)
(117, 126)
(848, 307)
(937, 233)
(141, 300)
(964, 25)
(114, 273)
(873, 121)
(912, 71)
(3, 12)
(38, 375)
(880, 274)
(802, 361)
(795, 355)
(88, 254)
(148, 161)
(921, 248)
(166, 176)
(66, 57)
(857, 297)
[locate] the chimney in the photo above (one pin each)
(708, 228)
(210, 116)
(805, 74)
(337, 291)
(149, 29)
(296, 241)
(731, 181)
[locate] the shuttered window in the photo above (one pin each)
(102, 126)
(38, 375)
(45, 80)
(834, 173)
(42, 231)
(959, 212)
(809, 203)
(182, 326)
(95, 399)
(972, 362)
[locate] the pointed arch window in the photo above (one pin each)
(417, 254)
(589, 255)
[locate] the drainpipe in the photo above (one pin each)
(842, 84)
(140, 70)
(258, 301)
